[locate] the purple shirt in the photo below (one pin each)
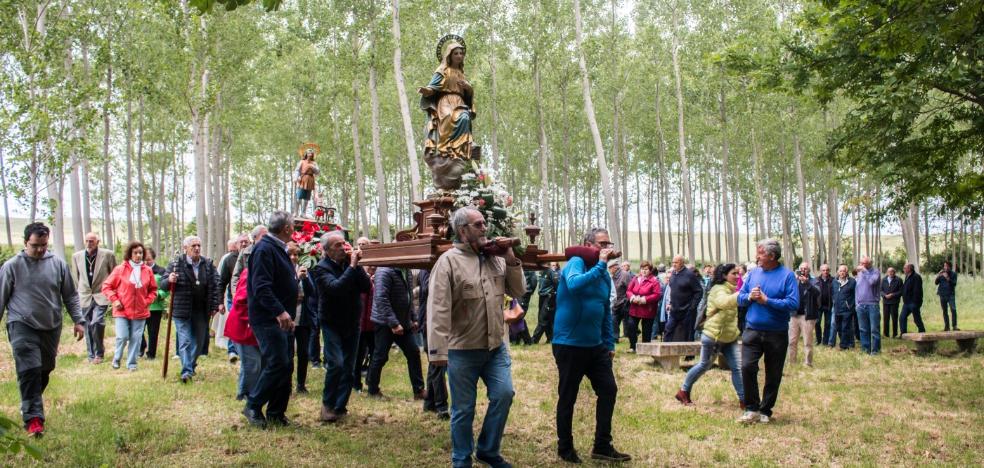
(869, 287)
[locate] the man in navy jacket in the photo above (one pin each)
(340, 281)
(272, 292)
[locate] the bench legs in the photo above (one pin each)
(968, 345)
(667, 362)
(925, 347)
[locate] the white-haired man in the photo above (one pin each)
(196, 298)
(90, 268)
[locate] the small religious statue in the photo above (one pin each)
(448, 101)
(304, 177)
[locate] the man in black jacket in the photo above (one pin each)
(687, 290)
(802, 322)
(395, 322)
(272, 291)
(891, 293)
(912, 295)
(436, 394)
(339, 280)
(549, 279)
(825, 283)
(196, 298)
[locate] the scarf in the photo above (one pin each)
(135, 273)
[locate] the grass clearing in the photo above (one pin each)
(892, 409)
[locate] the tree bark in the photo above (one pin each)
(377, 153)
(401, 91)
(362, 229)
(684, 167)
(6, 208)
(140, 185)
(543, 147)
(801, 191)
(730, 243)
(606, 182)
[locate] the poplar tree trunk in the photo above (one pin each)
(606, 182)
(377, 153)
(6, 208)
(801, 190)
(107, 194)
(544, 149)
(362, 229)
(731, 246)
(140, 187)
(401, 91)
(129, 169)
(688, 207)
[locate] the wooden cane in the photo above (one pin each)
(167, 339)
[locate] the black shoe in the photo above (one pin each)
(377, 396)
(186, 378)
(495, 462)
(278, 420)
(569, 456)
(302, 390)
(610, 454)
(254, 418)
(443, 414)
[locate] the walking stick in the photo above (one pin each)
(167, 339)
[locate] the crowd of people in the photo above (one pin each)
(276, 318)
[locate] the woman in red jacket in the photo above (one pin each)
(643, 294)
(238, 331)
(131, 288)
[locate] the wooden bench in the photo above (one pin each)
(926, 342)
(668, 355)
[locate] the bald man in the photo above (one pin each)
(867, 296)
(89, 269)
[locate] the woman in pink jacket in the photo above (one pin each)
(131, 288)
(643, 294)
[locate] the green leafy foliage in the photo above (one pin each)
(11, 443)
(206, 6)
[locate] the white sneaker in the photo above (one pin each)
(750, 417)
(763, 419)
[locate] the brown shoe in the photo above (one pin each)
(684, 397)
(327, 415)
(421, 395)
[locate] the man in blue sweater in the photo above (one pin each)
(770, 293)
(272, 291)
(867, 296)
(583, 346)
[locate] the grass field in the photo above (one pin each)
(850, 409)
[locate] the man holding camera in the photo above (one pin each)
(946, 288)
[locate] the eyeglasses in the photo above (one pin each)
(606, 245)
(478, 224)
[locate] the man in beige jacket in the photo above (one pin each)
(90, 268)
(466, 333)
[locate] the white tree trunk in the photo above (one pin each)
(731, 243)
(606, 182)
(377, 153)
(801, 190)
(360, 178)
(6, 208)
(544, 150)
(688, 207)
(401, 91)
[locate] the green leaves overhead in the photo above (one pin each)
(205, 6)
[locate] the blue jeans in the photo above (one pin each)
(273, 387)
(187, 345)
(708, 350)
(128, 331)
(250, 363)
(465, 367)
(231, 347)
(339, 365)
(869, 321)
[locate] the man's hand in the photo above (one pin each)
(284, 321)
(302, 273)
(173, 277)
(397, 330)
(79, 331)
(354, 258)
(443, 363)
(604, 254)
(761, 298)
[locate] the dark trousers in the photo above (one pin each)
(437, 387)
(544, 318)
(34, 358)
(620, 315)
(273, 387)
(742, 312)
(95, 329)
(380, 355)
(823, 326)
(770, 346)
(300, 344)
(632, 329)
(573, 364)
(916, 317)
(679, 327)
(890, 314)
(199, 327)
(148, 347)
(314, 345)
(340, 365)
(363, 357)
(844, 330)
(951, 301)
(855, 327)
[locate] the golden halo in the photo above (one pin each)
(306, 146)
